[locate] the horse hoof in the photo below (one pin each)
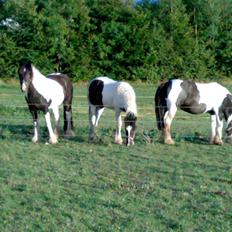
(169, 141)
(92, 138)
(34, 140)
(53, 140)
(118, 141)
(218, 142)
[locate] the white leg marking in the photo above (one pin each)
(130, 140)
(218, 137)
(53, 137)
(168, 117)
(213, 129)
(36, 133)
(98, 115)
(118, 136)
(92, 122)
(57, 119)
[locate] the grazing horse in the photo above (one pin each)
(44, 93)
(119, 96)
(194, 98)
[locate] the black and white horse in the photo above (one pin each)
(194, 98)
(119, 96)
(45, 93)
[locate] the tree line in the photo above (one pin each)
(124, 39)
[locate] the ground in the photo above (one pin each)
(78, 186)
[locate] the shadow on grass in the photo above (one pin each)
(155, 136)
(15, 132)
(200, 140)
(24, 133)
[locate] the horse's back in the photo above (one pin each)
(106, 92)
(212, 89)
(191, 96)
(101, 91)
(62, 79)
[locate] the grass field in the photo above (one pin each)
(77, 186)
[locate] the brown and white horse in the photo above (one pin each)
(119, 96)
(45, 93)
(194, 98)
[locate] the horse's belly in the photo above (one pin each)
(194, 109)
(108, 103)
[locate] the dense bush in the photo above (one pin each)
(133, 40)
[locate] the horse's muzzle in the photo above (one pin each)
(24, 87)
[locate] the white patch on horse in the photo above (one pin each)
(174, 93)
(129, 128)
(48, 88)
(211, 94)
(54, 74)
(24, 87)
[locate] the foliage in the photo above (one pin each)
(133, 40)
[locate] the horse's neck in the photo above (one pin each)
(37, 75)
(41, 83)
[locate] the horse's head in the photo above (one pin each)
(130, 126)
(25, 75)
(227, 112)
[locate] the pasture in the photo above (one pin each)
(78, 186)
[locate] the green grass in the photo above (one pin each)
(77, 186)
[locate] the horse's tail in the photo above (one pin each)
(161, 104)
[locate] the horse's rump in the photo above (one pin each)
(95, 92)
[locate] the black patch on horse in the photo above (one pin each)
(226, 107)
(160, 102)
(36, 101)
(95, 93)
(189, 97)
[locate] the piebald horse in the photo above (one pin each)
(45, 93)
(119, 96)
(194, 98)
